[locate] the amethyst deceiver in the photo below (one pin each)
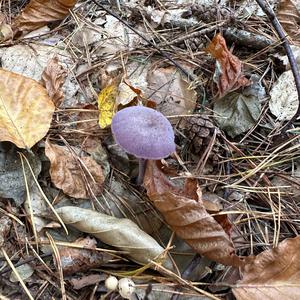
(143, 132)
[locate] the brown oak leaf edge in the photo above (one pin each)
(189, 219)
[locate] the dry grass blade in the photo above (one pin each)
(185, 282)
(266, 161)
(11, 216)
(59, 266)
(43, 194)
(17, 274)
(29, 203)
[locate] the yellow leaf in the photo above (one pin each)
(106, 105)
(25, 110)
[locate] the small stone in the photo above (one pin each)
(111, 283)
(126, 287)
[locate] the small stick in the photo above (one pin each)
(164, 54)
(294, 67)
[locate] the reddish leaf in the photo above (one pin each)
(273, 274)
(189, 218)
(75, 260)
(228, 74)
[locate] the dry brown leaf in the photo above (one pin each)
(88, 119)
(171, 93)
(189, 218)
(120, 233)
(127, 93)
(273, 274)
(86, 280)
(228, 73)
(53, 78)
(75, 260)
(78, 177)
(87, 128)
(25, 110)
(41, 12)
(289, 17)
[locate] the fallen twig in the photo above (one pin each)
(294, 67)
(164, 54)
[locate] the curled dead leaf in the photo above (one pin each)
(25, 110)
(75, 260)
(78, 177)
(228, 73)
(272, 274)
(189, 218)
(38, 13)
(53, 78)
(120, 233)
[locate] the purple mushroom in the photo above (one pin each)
(145, 133)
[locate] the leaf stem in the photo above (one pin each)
(142, 169)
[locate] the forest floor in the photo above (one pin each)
(216, 219)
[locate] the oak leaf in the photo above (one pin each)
(228, 73)
(273, 274)
(189, 219)
(78, 177)
(25, 110)
(53, 78)
(38, 13)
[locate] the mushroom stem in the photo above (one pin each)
(142, 169)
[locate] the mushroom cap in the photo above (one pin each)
(143, 132)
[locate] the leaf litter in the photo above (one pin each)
(230, 192)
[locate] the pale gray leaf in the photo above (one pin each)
(119, 233)
(12, 184)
